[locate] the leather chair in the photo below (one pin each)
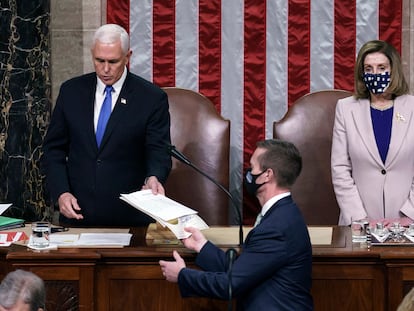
(203, 136)
(309, 125)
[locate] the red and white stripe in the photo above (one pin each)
(252, 58)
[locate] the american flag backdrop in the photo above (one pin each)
(252, 58)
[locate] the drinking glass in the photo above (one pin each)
(359, 230)
(40, 234)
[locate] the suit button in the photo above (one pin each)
(383, 172)
(98, 161)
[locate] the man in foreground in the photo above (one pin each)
(273, 271)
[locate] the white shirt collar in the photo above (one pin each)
(100, 87)
(272, 201)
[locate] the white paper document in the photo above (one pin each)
(166, 211)
(63, 239)
(3, 208)
(120, 239)
(90, 239)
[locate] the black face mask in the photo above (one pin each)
(250, 182)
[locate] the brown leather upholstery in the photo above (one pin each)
(203, 136)
(309, 125)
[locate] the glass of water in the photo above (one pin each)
(359, 230)
(40, 234)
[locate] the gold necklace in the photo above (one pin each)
(382, 108)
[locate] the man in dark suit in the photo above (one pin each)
(86, 171)
(273, 271)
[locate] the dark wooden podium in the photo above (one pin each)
(346, 276)
(107, 278)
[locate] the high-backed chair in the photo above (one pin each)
(309, 125)
(203, 136)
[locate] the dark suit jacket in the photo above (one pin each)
(273, 272)
(133, 148)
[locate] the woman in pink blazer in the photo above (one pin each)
(373, 141)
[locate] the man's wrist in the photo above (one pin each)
(147, 179)
(202, 244)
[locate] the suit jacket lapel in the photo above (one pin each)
(90, 89)
(400, 125)
(119, 110)
(361, 114)
(283, 201)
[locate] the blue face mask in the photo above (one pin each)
(377, 83)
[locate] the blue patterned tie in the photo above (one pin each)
(104, 114)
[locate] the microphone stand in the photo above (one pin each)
(182, 158)
(230, 254)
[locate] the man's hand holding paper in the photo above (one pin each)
(166, 211)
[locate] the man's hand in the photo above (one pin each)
(171, 269)
(68, 205)
(153, 184)
(196, 241)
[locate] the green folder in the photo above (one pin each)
(10, 223)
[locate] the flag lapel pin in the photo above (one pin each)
(400, 117)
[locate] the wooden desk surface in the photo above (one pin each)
(160, 243)
(147, 247)
(146, 244)
(346, 275)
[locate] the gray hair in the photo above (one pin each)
(23, 286)
(111, 33)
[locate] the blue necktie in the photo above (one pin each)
(104, 114)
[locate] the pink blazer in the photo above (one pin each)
(364, 186)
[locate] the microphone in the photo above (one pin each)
(178, 155)
(182, 158)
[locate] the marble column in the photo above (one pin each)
(25, 105)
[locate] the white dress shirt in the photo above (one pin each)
(100, 95)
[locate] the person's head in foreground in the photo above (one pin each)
(22, 291)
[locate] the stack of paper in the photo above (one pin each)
(91, 239)
(9, 222)
(166, 211)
